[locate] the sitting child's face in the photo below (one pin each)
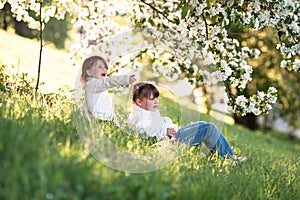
(98, 71)
(149, 104)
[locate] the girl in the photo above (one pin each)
(145, 119)
(96, 83)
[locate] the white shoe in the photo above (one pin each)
(240, 159)
(235, 160)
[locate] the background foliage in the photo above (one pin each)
(55, 32)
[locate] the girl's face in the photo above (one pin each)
(148, 104)
(98, 71)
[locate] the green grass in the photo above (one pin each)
(42, 157)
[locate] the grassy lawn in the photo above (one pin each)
(42, 157)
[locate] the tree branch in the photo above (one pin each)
(131, 60)
(158, 12)
(41, 49)
(206, 25)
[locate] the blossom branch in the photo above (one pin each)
(206, 25)
(131, 60)
(158, 12)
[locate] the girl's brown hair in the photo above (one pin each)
(144, 90)
(88, 64)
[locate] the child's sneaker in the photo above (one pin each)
(235, 160)
(240, 159)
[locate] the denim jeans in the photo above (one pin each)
(195, 134)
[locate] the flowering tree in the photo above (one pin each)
(212, 55)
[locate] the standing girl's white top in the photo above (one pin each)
(98, 101)
(96, 83)
(149, 123)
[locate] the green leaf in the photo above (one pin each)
(185, 10)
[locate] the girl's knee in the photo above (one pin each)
(203, 123)
(213, 128)
(210, 125)
(207, 125)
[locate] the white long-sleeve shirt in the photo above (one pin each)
(97, 99)
(149, 123)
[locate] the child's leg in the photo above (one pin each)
(223, 145)
(199, 132)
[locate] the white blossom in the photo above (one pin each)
(197, 39)
(256, 111)
(260, 95)
(241, 100)
(2, 3)
(283, 64)
(187, 62)
(256, 24)
(272, 90)
(296, 65)
(256, 5)
(234, 81)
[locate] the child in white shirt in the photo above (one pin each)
(96, 83)
(145, 119)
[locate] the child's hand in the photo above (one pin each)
(132, 79)
(171, 132)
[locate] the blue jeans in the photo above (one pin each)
(195, 134)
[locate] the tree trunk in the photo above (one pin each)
(21, 28)
(249, 121)
(208, 103)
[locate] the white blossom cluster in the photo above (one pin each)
(20, 10)
(257, 104)
(95, 17)
(163, 65)
(208, 42)
(285, 16)
(192, 30)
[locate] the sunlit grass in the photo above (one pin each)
(42, 156)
